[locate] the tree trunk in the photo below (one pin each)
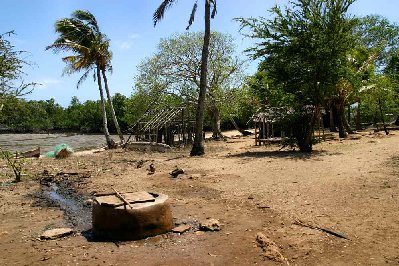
(215, 115)
(110, 142)
(382, 117)
(358, 117)
(341, 120)
(111, 107)
(304, 132)
(198, 145)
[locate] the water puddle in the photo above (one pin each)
(61, 194)
(65, 203)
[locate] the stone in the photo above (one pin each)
(151, 169)
(88, 202)
(176, 172)
(210, 225)
(270, 249)
(56, 233)
(181, 228)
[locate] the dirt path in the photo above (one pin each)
(350, 187)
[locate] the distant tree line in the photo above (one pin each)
(46, 116)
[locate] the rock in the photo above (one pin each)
(88, 202)
(176, 172)
(151, 169)
(181, 228)
(210, 225)
(270, 249)
(56, 233)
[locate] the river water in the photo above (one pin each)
(47, 142)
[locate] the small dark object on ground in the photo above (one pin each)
(140, 163)
(176, 172)
(151, 169)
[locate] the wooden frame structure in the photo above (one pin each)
(264, 125)
(170, 126)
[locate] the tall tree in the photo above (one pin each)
(304, 50)
(81, 35)
(198, 145)
(175, 68)
(12, 70)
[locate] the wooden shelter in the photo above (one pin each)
(264, 123)
(169, 126)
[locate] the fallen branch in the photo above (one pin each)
(122, 198)
(325, 230)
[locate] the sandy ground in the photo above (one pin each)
(348, 186)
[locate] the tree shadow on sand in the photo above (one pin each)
(293, 155)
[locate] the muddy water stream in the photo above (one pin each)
(61, 194)
(47, 142)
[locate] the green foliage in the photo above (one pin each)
(379, 100)
(11, 69)
(304, 48)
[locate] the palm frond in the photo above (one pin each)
(160, 12)
(85, 15)
(83, 77)
(192, 16)
(68, 46)
(214, 9)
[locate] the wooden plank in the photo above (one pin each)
(112, 199)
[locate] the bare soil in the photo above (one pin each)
(345, 186)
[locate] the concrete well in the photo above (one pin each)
(149, 214)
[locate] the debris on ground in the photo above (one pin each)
(210, 225)
(175, 173)
(270, 249)
(60, 151)
(151, 169)
(140, 164)
(181, 228)
(46, 178)
(56, 233)
(325, 230)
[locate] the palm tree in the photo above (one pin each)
(198, 145)
(81, 35)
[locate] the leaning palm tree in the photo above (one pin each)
(198, 145)
(81, 36)
(104, 62)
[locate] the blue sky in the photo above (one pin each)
(128, 23)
